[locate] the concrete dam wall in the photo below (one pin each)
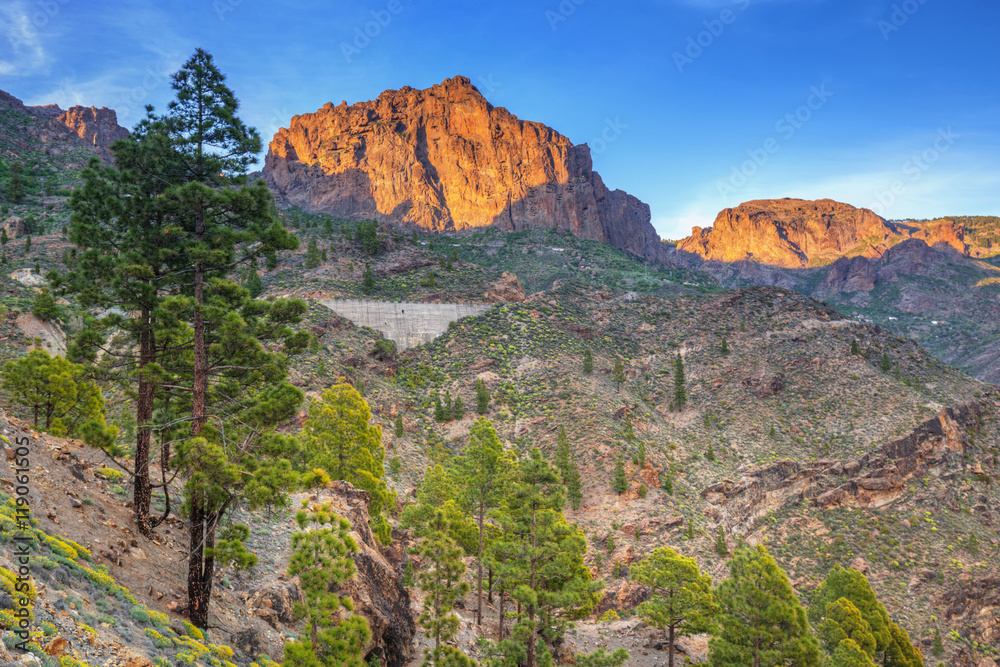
(406, 324)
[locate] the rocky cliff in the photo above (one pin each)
(444, 158)
(88, 126)
(790, 233)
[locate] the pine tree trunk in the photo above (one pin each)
(670, 647)
(141, 495)
(489, 588)
(500, 633)
(200, 387)
(196, 609)
(531, 606)
(479, 595)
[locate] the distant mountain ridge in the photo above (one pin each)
(445, 159)
(79, 125)
(797, 233)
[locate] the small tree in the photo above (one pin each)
(886, 363)
(3, 236)
(720, 542)
(937, 646)
(338, 437)
(724, 348)
(482, 396)
(399, 425)
(442, 583)
(44, 307)
(27, 244)
(680, 392)
(16, 184)
(620, 480)
(618, 374)
(681, 600)
(321, 558)
(438, 408)
(588, 362)
(312, 254)
(449, 408)
(854, 347)
(368, 279)
(253, 283)
(458, 408)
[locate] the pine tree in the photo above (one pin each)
(3, 236)
(562, 453)
(854, 347)
(253, 283)
(271, 260)
(485, 469)
(399, 425)
(544, 562)
(441, 581)
(937, 646)
(44, 307)
(681, 600)
(458, 409)
(574, 491)
(972, 544)
(668, 482)
(321, 558)
(901, 652)
(773, 434)
(27, 244)
(761, 621)
(368, 279)
(710, 454)
(720, 542)
(886, 363)
(618, 374)
(312, 254)
(842, 621)
(482, 397)
(680, 392)
(724, 348)
(588, 362)
(338, 437)
(853, 586)
(438, 408)
(620, 480)
(849, 654)
(449, 408)
(16, 183)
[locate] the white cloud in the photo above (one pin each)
(20, 29)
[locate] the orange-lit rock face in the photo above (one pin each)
(787, 232)
(97, 127)
(445, 159)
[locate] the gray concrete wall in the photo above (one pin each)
(406, 324)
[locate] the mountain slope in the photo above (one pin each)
(446, 159)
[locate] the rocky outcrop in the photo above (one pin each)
(445, 159)
(851, 275)
(377, 589)
(790, 233)
(874, 479)
(15, 227)
(87, 126)
(507, 289)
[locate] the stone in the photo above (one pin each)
(56, 647)
(507, 289)
(15, 227)
(445, 159)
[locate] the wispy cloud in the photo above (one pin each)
(25, 53)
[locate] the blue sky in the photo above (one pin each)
(691, 105)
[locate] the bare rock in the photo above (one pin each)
(507, 289)
(15, 227)
(791, 233)
(446, 159)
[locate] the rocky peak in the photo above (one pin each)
(790, 233)
(96, 127)
(445, 159)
